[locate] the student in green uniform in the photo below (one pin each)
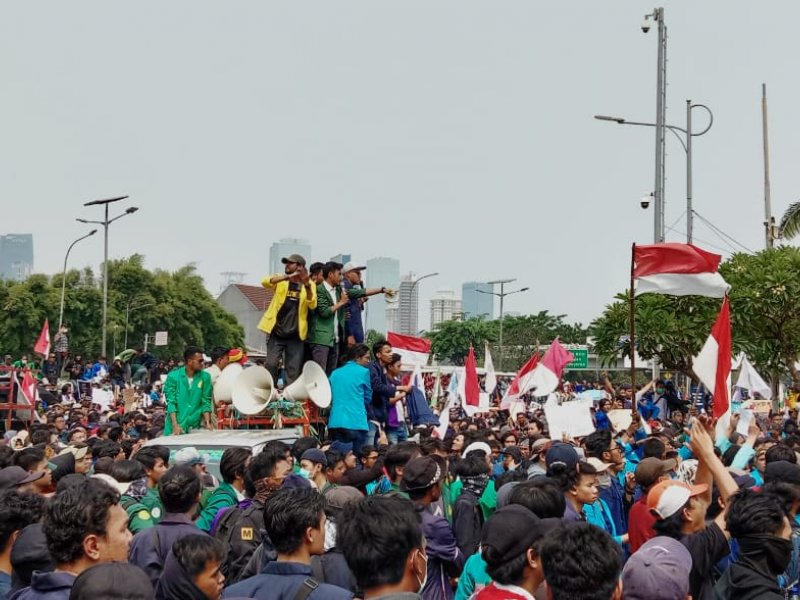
(188, 394)
(230, 492)
(144, 507)
(132, 483)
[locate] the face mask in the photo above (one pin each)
(776, 551)
(305, 473)
(422, 581)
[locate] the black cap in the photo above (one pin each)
(512, 530)
(514, 452)
(782, 470)
(11, 477)
(294, 258)
(420, 474)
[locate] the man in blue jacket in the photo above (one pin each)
(351, 393)
(382, 389)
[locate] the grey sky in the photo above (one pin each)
(455, 136)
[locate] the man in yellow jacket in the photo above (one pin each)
(286, 319)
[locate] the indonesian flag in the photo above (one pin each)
(414, 350)
(490, 382)
(29, 388)
(520, 381)
(678, 270)
(43, 343)
(713, 364)
(469, 388)
(547, 375)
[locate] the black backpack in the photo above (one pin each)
(241, 531)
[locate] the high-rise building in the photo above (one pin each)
(342, 259)
(382, 272)
(285, 247)
(444, 307)
(408, 306)
(477, 303)
(16, 256)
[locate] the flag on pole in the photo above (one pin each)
(546, 376)
(29, 388)
(490, 381)
(678, 270)
(520, 381)
(43, 343)
(468, 386)
(452, 398)
(413, 350)
(713, 364)
(749, 379)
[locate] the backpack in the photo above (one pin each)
(241, 531)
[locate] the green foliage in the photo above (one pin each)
(522, 335)
(790, 222)
(159, 300)
(765, 317)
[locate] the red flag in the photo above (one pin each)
(547, 375)
(414, 350)
(678, 270)
(512, 393)
(472, 389)
(43, 343)
(713, 364)
(28, 387)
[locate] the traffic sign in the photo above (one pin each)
(581, 360)
(161, 338)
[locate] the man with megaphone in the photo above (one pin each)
(286, 318)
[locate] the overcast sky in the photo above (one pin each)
(455, 136)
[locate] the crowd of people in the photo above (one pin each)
(667, 506)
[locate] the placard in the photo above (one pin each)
(571, 418)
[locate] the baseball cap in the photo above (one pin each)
(476, 446)
(511, 530)
(668, 497)
(782, 470)
(351, 266)
(540, 445)
(294, 258)
(421, 473)
(340, 495)
(650, 469)
(513, 452)
(598, 464)
(189, 456)
(344, 448)
(563, 453)
(12, 477)
(315, 455)
(659, 570)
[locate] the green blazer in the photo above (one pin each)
(324, 321)
(188, 403)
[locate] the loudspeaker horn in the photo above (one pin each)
(223, 387)
(312, 384)
(252, 390)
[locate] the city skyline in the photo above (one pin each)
(16, 256)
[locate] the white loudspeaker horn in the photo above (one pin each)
(252, 390)
(312, 384)
(223, 387)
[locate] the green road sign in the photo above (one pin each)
(581, 358)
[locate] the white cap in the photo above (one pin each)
(189, 456)
(476, 446)
(598, 464)
(351, 266)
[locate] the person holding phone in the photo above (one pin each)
(286, 319)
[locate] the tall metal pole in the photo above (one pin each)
(64, 277)
(661, 93)
(767, 191)
(502, 297)
(105, 282)
(689, 210)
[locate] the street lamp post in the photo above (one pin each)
(64, 276)
(411, 295)
(686, 144)
(105, 223)
(128, 309)
(502, 294)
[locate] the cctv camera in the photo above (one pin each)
(645, 202)
(645, 25)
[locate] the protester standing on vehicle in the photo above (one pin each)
(188, 393)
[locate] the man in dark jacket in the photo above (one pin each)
(179, 490)
(760, 526)
(294, 519)
(422, 481)
(382, 389)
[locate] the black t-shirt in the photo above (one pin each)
(286, 322)
(707, 548)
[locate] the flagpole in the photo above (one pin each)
(633, 347)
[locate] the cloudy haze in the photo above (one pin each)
(455, 136)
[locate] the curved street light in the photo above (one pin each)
(64, 276)
(502, 294)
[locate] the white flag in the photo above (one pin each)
(490, 382)
(749, 379)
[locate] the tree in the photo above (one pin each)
(179, 303)
(450, 341)
(790, 222)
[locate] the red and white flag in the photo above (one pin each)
(414, 350)
(520, 381)
(547, 375)
(713, 364)
(469, 389)
(677, 270)
(29, 388)
(43, 343)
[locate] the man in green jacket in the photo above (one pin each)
(188, 393)
(233, 466)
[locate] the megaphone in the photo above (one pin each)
(223, 388)
(312, 384)
(252, 390)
